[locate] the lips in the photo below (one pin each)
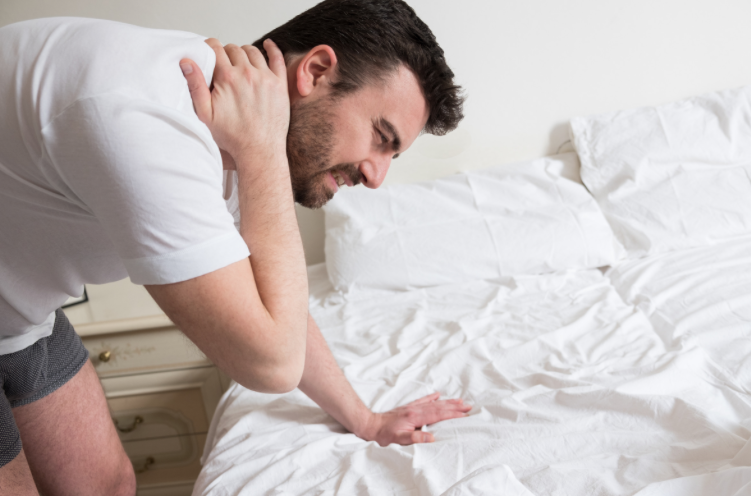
(342, 177)
(338, 177)
(333, 181)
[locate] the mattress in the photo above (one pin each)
(582, 383)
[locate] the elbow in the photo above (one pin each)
(286, 378)
(289, 364)
(280, 372)
(273, 379)
(284, 387)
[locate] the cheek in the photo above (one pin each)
(353, 138)
(352, 146)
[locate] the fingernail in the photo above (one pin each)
(186, 68)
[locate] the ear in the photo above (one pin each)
(316, 67)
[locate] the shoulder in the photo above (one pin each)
(120, 128)
(82, 58)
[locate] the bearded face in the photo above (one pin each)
(309, 148)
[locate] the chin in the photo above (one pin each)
(313, 198)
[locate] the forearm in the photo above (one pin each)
(249, 317)
(324, 382)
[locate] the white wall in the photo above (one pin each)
(528, 65)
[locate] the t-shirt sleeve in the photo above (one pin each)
(152, 177)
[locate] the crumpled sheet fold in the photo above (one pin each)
(579, 386)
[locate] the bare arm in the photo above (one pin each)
(257, 291)
(324, 383)
(250, 317)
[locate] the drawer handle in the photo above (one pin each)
(149, 462)
(105, 356)
(136, 421)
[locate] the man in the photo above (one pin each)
(109, 169)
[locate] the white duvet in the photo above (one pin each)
(581, 385)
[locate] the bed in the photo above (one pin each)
(593, 307)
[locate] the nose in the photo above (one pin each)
(374, 170)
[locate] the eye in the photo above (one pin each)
(384, 139)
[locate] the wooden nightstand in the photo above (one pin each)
(162, 391)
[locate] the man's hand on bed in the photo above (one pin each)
(324, 383)
(402, 425)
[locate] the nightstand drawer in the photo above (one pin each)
(159, 415)
(168, 402)
(143, 351)
(145, 387)
(172, 460)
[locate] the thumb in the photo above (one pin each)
(199, 91)
(422, 437)
(413, 437)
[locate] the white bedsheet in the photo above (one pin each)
(701, 298)
(574, 393)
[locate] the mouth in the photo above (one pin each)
(338, 179)
(341, 178)
(334, 180)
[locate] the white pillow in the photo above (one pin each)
(673, 176)
(527, 218)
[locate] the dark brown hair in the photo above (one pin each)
(371, 38)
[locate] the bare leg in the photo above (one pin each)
(15, 478)
(71, 444)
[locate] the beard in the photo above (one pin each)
(309, 147)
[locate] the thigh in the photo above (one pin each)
(15, 478)
(70, 441)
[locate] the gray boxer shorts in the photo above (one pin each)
(33, 373)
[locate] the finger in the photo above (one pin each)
(199, 90)
(451, 407)
(255, 56)
(276, 59)
(458, 404)
(412, 437)
(432, 413)
(236, 55)
(422, 437)
(221, 56)
(426, 399)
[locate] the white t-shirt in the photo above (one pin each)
(105, 170)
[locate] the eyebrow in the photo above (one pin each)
(396, 141)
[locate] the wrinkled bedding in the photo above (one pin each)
(636, 381)
(700, 299)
